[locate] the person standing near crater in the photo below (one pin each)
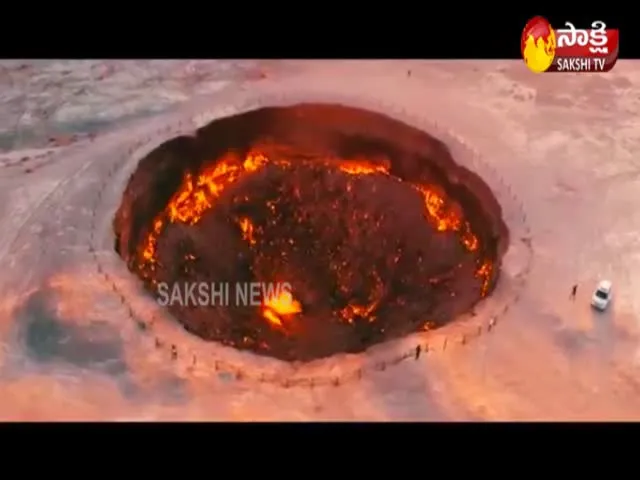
(574, 291)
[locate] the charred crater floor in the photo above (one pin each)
(353, 228)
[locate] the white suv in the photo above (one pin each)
(602, 295)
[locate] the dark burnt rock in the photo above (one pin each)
(338, 239)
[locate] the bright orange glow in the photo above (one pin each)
(354, 167)
(280, 307)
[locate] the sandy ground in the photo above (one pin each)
(43, 100)
(559, 151)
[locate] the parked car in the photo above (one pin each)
(602, 295)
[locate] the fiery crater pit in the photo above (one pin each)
(372, 223)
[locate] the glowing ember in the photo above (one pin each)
(351, 312)
(247, 231)
(484, 273)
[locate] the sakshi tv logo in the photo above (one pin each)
(546, 49)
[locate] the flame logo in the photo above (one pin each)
(538, 45)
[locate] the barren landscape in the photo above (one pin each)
(80, 340)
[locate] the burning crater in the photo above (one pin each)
(376, 229)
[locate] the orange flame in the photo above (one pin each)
(196, 196)
(353, 167)
(279, 307)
